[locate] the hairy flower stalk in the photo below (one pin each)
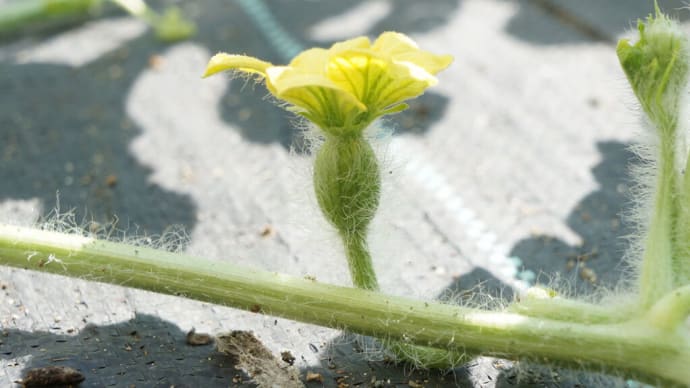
(347, 184)
(342, 90)
(657, 68)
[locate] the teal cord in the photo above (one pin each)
(270, 28)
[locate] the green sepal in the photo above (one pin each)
(656, 66)
(348, 184)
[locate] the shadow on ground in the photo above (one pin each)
(148, 351)
(65, 130)
(597, 220)
(551, 22)
(144, 351)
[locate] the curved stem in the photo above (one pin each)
(359, 262)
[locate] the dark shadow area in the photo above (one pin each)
(597, 220)
(361, 361)
(550, 22)
(150, 352)
(423, 112)
(407, 16)
(144, 351)
(65, 129)
(533, 375)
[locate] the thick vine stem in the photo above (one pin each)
(635, 348)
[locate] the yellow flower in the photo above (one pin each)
(343, 89)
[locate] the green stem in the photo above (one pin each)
(169, 26)
(656, 270)
(359, 262)
(18, 14)
(636, 348)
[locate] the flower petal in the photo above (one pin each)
(315, 96)
(359, 72)
(407, 81)
(400, 48)
(360, 42)
(376, 81)
(311, 61)
(223, 62)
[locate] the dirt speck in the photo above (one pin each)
(267, 231)
(314, 377)
(156, 62)
(588, 274)
(111, 180)
(198, 339)
(414, 384)
(287, 357)
(257, 361)
(51, 376)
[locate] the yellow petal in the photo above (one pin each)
(328, 108)
(293, 89)
(223, 62)
(400, 48)
(314, 95)
(360, 42)
(431, 63)
(376, 81)
(407, 81)
(360, 72)
(392, 43)
(311, 61)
